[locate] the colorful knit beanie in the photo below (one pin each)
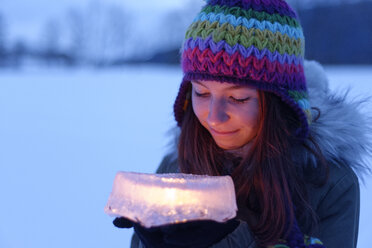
(258, 43)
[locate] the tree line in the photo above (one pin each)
(102, 34)
(99, 34)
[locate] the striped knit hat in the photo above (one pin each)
(258, 43)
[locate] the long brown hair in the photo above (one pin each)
(267, 172)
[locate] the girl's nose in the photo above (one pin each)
(217, 112)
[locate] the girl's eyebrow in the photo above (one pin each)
(233, 87)
(198, 82)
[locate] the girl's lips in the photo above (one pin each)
(222, 132)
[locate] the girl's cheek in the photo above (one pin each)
(200, 107)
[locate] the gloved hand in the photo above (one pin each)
(196, 234)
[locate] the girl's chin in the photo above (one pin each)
(234, 149)
(227, 147)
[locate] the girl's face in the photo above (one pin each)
(228, 111)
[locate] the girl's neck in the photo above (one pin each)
(241, 151)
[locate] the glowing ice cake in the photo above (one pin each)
(158, 199)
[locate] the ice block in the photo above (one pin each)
(159, 199)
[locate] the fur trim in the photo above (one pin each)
(342, 132)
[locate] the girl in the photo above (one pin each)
(244, 109)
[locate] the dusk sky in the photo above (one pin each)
(24, 18)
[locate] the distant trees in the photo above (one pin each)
(339, 34)
(50, 50)
(306, 4)
(176, 21)
(3, 53)
(172, 29)
(95, 35)
(102, 34)
(51, 36)
(105, 33)
(75, 26)
(17, 54)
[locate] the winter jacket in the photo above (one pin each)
(341, 132)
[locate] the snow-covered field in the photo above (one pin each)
(65, 133)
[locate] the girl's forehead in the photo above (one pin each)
(221, 85)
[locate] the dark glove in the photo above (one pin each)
(195, 234)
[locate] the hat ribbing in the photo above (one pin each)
(251, 42)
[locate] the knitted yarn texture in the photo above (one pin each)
(258, 43)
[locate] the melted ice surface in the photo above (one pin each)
(159, 199)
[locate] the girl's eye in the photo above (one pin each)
(237, 100)
(201, 94)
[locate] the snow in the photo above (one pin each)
(65, 133)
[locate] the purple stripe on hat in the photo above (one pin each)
(269, 6)
(288, 76)
(245, 52)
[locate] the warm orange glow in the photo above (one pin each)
(171, 198)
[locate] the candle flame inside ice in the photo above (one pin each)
(155, 200)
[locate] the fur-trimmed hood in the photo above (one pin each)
(342, 131)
